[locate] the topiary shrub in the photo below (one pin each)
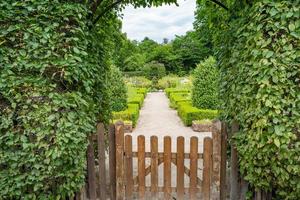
(205, 85)
(118, 90)
(260, 89)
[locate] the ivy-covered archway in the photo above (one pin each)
(53, 88)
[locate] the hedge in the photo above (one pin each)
(260, 75)
(131, 114)
(136, 99)
(168, 91)
(175, 98)
(53, 88)
(188, 113)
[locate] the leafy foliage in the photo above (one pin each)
(258, 51)
(118, 90)
(154, 70)
(53, 75)
(205, 85)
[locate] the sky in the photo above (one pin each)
(158, 23)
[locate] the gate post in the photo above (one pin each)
(216, 168)
(120, 190)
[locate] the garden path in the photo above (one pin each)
(156, 118)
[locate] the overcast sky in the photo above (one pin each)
(158, 23)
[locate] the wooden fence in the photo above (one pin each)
(123, 184)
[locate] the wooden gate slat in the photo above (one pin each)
(101, 161)
(119, 161)
(193, 167)
(167, 167)
(180, 168)
(141, 166)
(154, 167)
(207, 169)
(128, 167)
(112, 161)
(91, 170)
(223, 162)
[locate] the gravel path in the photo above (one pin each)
(156, 118)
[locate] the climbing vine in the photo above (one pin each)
(260, 88)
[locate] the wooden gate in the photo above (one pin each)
(110, 175)
(210, 186)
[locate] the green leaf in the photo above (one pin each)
(277, 142)
(292, 27)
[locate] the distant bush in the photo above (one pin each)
(170, 81)
(205, 85)
(118, 90)
(188, 113)
(138, 81)
(154, 70)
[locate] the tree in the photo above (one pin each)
(192, 48)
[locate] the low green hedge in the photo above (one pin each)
(131, 114)
(188, 113)
(169, 91)
(137, 99)
(175, 98)
(142, 91)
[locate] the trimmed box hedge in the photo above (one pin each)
(188, 113)
(169, 91)
(131, 113)
(137, 99)
(175, 98)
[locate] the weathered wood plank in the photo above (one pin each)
(119, 161)
(223, 162)
(101, 161)
(180, 168)
(91, 170)
(207, 169)
(193, 167)
(112, 161)
(161, 155)
(216, 160)
(154, 167)
(141, 166)
(167, 167)
(128, 167)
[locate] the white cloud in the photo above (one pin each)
(158, 23)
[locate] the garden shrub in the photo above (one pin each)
(136, 99)
(154, 70)
(260, 89)
(131, 114)
(205, 85)
(170, 81)
(188, 113)
(170, 91)
(53, 76)
(142, 91)
(118, 90)
(175, 98)
(138, 82)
